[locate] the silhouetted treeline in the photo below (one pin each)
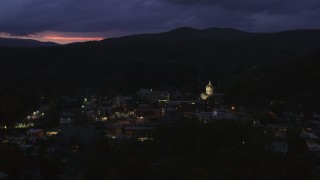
(188, 150)
(250, 68)
(15, 103)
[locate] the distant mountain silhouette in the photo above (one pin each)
(210, 33)
(250, 67)
(212, 45)
(11, 42)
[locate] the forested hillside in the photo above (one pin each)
(248, 67)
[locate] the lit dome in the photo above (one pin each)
(209, 92)
(209, 89)
(209, 85)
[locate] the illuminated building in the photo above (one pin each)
(52, 133)
(35, 133)
(222, 113)
(154, 96)
(209, 92)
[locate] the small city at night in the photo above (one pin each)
(159, 90)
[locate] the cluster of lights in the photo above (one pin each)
(52, 133)
(104, 118)
(35, 115)
(23, 125)
(144, 139)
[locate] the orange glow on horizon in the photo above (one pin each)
(75, 39)
(63, 38)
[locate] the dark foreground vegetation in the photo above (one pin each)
(187, 150)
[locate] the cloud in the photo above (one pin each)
(251, 6)
(107, 18)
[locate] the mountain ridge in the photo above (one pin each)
(20, 43)
(246, 65)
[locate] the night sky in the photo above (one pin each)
(66, 21)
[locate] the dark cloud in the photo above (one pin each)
(119, 17)
(274, 6)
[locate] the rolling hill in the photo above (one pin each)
(10, 42)
(248, 67)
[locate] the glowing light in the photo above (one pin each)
(58, 37)
(74, 39)
(52, 133)
(143, 139)
(23, 125)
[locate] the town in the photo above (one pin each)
(159, 90)
(75, 122)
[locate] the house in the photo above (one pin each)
(147, 113)
(35, 133)
(205, 116)
(76, 134)
(66, 118)
(3, 176)
(154, 96)
(278, 147)
(313, 146)
(222, 113)
(183, 106)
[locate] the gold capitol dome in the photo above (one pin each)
(209, 85)
(209, 92)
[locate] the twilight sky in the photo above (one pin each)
(65, 21)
